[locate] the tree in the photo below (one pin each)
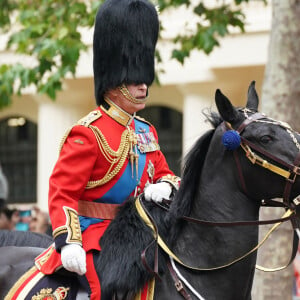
(49, 32)
(280, 97)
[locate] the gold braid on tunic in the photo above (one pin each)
(114, 158)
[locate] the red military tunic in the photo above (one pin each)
(106, 157)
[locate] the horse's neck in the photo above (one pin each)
(219, 199)
(220, 194)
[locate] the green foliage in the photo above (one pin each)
(212, 24)
(48, 32)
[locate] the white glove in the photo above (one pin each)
(158, 191)
(73, 258)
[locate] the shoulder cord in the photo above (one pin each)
(113, 157)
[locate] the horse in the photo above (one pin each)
(203, 245)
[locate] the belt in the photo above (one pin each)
(97, 210)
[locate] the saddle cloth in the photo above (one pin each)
(34, 285)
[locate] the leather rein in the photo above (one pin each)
(282, 168)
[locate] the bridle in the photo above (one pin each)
(282, 168)
(254, 153)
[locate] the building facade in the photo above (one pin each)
(183, 93)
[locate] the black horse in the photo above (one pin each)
(246, 158)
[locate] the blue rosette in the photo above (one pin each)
(231, 139)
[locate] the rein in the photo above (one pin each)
(269, 203)
(146, 217)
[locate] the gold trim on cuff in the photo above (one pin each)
(72, 227)
(172, 179)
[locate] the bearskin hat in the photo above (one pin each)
(125, 37)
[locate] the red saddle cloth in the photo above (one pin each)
(43, 282)
(34, 285)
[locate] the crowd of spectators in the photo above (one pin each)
(32, 219)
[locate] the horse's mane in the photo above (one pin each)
(193, 164)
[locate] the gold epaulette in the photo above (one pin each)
(85, 121)
(90, 118)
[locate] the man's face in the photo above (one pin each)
(138, 91)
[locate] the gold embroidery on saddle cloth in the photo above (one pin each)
(46, 294)
(25, 290)
(42, 258)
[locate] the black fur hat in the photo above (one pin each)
(125, 37)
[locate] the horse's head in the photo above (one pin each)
(266, 151)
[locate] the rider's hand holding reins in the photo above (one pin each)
(158, 191)
(73, 258)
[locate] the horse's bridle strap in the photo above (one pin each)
(256, 159)
(247, 146)
(249, 120)
(167, 250)
(284, 169)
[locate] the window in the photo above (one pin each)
(18, 157)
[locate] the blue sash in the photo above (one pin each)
(126, 183)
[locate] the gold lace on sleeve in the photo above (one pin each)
(72, 227)
(172, 179)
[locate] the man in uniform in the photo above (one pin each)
(110, 154)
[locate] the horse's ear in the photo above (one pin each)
(252, 102)
(227, 111)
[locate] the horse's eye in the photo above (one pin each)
(265, 139)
